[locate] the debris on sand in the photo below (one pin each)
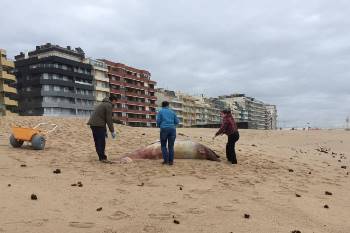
(297, 195)
(328, 193)
(326, 206)
(142, 184)
(309, 173)
(290, 170)
(296, 231)
(323, 150)
(344, 167)
(34, 197)
(176, 221)
(181, 134)
(246, 216)
(73, 185)
(57, 171)
(254, 145)
(99, 209)
(80, 184)
(143, 134)
(23, 165)
(9, 185)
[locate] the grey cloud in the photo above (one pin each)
(294, 54)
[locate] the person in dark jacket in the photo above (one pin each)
(167, 121)
(229, 127)
(101, 116)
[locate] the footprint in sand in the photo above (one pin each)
(161, 216)
(116, 202)
(82, 224)
(201, 191)
(195, 211)
(118, 215)
(226, 208)
(152, 229)
(170, 203)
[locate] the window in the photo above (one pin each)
(45, 76)
(46, 87)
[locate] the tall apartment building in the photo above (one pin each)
(135, 93)
(271, 119)
(174, 102)
(101, 80)
(247, 110)
(191, 110)
(8, 92)
(53, 80)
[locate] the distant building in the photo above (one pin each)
(249, 112)
(8, 92)
(191, 110)
(101, 80)
(54, 81)
(135, 93)
(271, 116)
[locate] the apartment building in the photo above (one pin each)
(174, 102)
(54, 81)
(8, 92)
(191, 110)
(271, 118)
(101, 80)
(135, 94)
(249, 112)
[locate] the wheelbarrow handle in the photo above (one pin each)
(54, 127)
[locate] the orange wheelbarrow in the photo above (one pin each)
(34, 135)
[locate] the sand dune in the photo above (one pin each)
(280, 181)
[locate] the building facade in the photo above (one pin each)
(192, 111)
(135, 94)
(271, 118)
(101, 80)
(8, 92)
(248, 112)
(54, 81)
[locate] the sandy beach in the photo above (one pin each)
(280, 181)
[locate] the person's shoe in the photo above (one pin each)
(234, 162)
(106, 161)
(171, 163)
(164, 162)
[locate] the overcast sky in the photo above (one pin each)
(295, 54)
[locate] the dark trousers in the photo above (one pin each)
(230, 147)
(99, 134)
(167, 135)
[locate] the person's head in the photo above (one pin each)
(111, 98)
(165, 104)
(226, 112)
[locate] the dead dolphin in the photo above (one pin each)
(183, 149)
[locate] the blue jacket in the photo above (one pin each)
(166, 118)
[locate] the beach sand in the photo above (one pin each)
(202, 196)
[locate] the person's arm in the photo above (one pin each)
(222, 128)
(159, 118)
(109, 118)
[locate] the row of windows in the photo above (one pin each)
(60, 66)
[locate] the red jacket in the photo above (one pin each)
(228, 126)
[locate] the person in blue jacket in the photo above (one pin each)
(167, 121)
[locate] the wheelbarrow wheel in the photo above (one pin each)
(14, 142)
(38, 142)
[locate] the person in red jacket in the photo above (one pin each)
(229, 127)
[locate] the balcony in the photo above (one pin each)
(133, 94)
(10, 102)
(7, 63)
(115, 91)
(103, 89)
(9, 89)
(152, 97)
(7, 76)
(136, 103)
